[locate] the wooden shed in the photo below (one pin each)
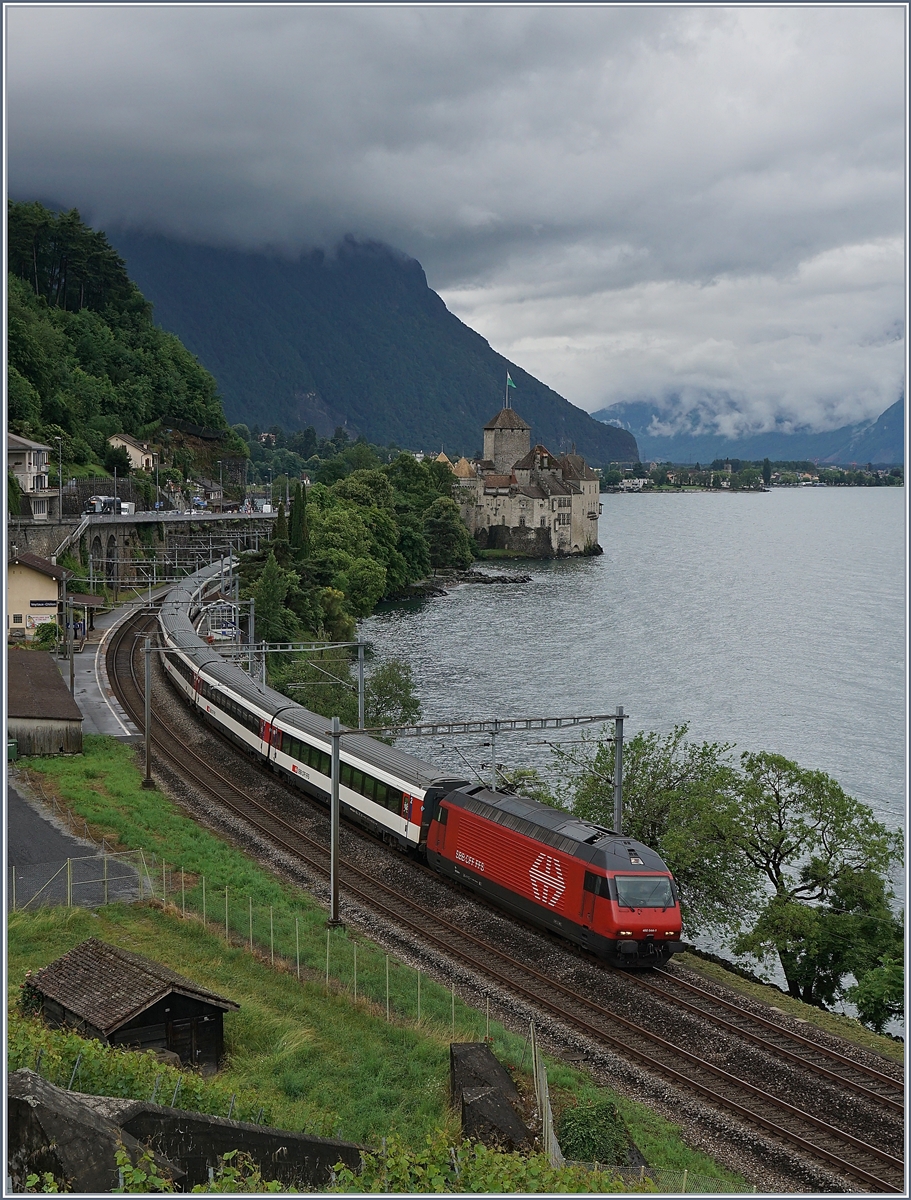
(42, 716)
(127, 1000)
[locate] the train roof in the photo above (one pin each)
(581, 839)
(177, 623)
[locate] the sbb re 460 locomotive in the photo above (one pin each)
(603, 891)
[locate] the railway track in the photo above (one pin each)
(878, 1166)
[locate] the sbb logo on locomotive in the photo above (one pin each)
(547, 880)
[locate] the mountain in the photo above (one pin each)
(356, 338)
(881, 441)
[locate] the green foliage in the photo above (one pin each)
(592, 1132)
(298, 532)
(776, 856)
(83, 350)
(681, 799)
(470, 1167)
(447, 537)
(117, 459)
(13, 495)
(527, 781)
(237, 1172)
(141, 1176)
(46, 635)
(280, 529)
(879, 993)
(389, 695)
(45, 1182)
(274, 622)
(314, 1061)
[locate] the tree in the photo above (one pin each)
(766, 472)
(117, 459)
(447, 538)
(879, 993)
(298, 533)
(274, 622)
(13, 495)
(280, 531)
(825, 859)
(680, 798)
(389, 696)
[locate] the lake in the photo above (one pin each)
(774, 620)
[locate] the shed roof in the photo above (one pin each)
(507, 418)
(37, 563)
(107, 986)
(36, 688)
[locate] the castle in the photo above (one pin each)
(522, 498)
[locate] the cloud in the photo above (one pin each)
(627, 200)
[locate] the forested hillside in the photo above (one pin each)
(85, 358)
(356, 339)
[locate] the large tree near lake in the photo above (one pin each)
(776, 857)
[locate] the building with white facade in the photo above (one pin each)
(525, 499)
(28, 462)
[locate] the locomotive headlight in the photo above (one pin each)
(670, 933)
(625, 933)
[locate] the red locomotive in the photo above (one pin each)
(597, 888)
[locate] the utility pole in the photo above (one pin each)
(148, 782)
(334, 920)
(360, 685)
(618, 770)
(71, 631)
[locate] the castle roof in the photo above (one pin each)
(539, 458)
(499, 481)
(575, 467)
(442, 458)
(463, 469)
(507, 418)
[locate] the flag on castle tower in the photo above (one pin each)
(509, 382)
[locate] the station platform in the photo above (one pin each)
(92, 689)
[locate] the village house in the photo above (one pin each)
(34, 589)
(526, 499)
(28, 462)
(140, 454)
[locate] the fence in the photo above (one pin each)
(287, 939)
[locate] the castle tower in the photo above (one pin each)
(507, 438)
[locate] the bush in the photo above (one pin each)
(592, 1132)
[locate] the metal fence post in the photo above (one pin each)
(69, 883)
(387, 987)
(297, 945)
(203, 899)
(354, 944)
(250, 911)
(13, 880)
(271, 938)
(227, 938)
(419, 995)
(104, 868)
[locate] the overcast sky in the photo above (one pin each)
(630, 202)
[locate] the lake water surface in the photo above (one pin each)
(774, 621)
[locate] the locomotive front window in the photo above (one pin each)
(644, 891)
